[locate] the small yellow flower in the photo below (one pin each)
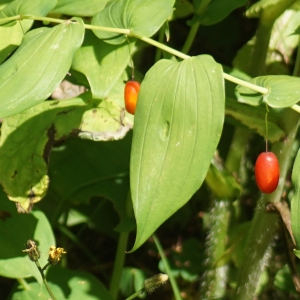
(55, 255)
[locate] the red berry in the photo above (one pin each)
(131, 92)
(267, 172)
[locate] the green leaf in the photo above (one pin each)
(254, 118)
(65, 284)
(101, 63)
(221, 182)
(82, 169)
(11, 38)
(283, 280)
(26, 7)
(295, 203)
(143, 18)
(216, 11)
(187, 263)
(183, 8)
(297, 253)
(16, 229)
(26, 141)
(283, 91)
(79, 7)
(132, 280)
(281, 46)
(269, 10)
(178, 123)
(53, 49)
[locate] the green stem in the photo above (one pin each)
(136, 294)
(167, 267)
(87, 26)
(160, 39)
(263, 225)
(118, 266)
(9, 19)
(120, 255)
(145, 39)
(45, 280)
(260, 50)
(190, 38)
(24, 284)
(297, 62)
(237, 149)
(179, 54)
(267, 18)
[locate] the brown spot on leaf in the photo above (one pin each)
(65, 112)
(15, 173)
(51, 138)
(4, 215)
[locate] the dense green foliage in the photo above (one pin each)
(169, 190)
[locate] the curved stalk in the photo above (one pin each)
(145, 39)
(120, 256)
(168, 269)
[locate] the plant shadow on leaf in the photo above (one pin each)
(16, 229)
(13, 237)
(80, 170)
(24, 151)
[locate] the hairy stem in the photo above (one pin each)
(264, 225)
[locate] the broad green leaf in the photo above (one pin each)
(11, 36)
(284, 91)
(143, 18)
(47, 53)
(16, 229)
(101, 63)
(83, 169)
(281, 47)
(254, 118)
(295, 203)
(26, 141)
(65, 284)
(178, 123)
(268, 10)
(26, 7)
(79, 7)
(215, 11)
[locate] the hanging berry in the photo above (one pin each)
(267, 172)
(131, 92)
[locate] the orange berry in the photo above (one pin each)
(131, 92)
